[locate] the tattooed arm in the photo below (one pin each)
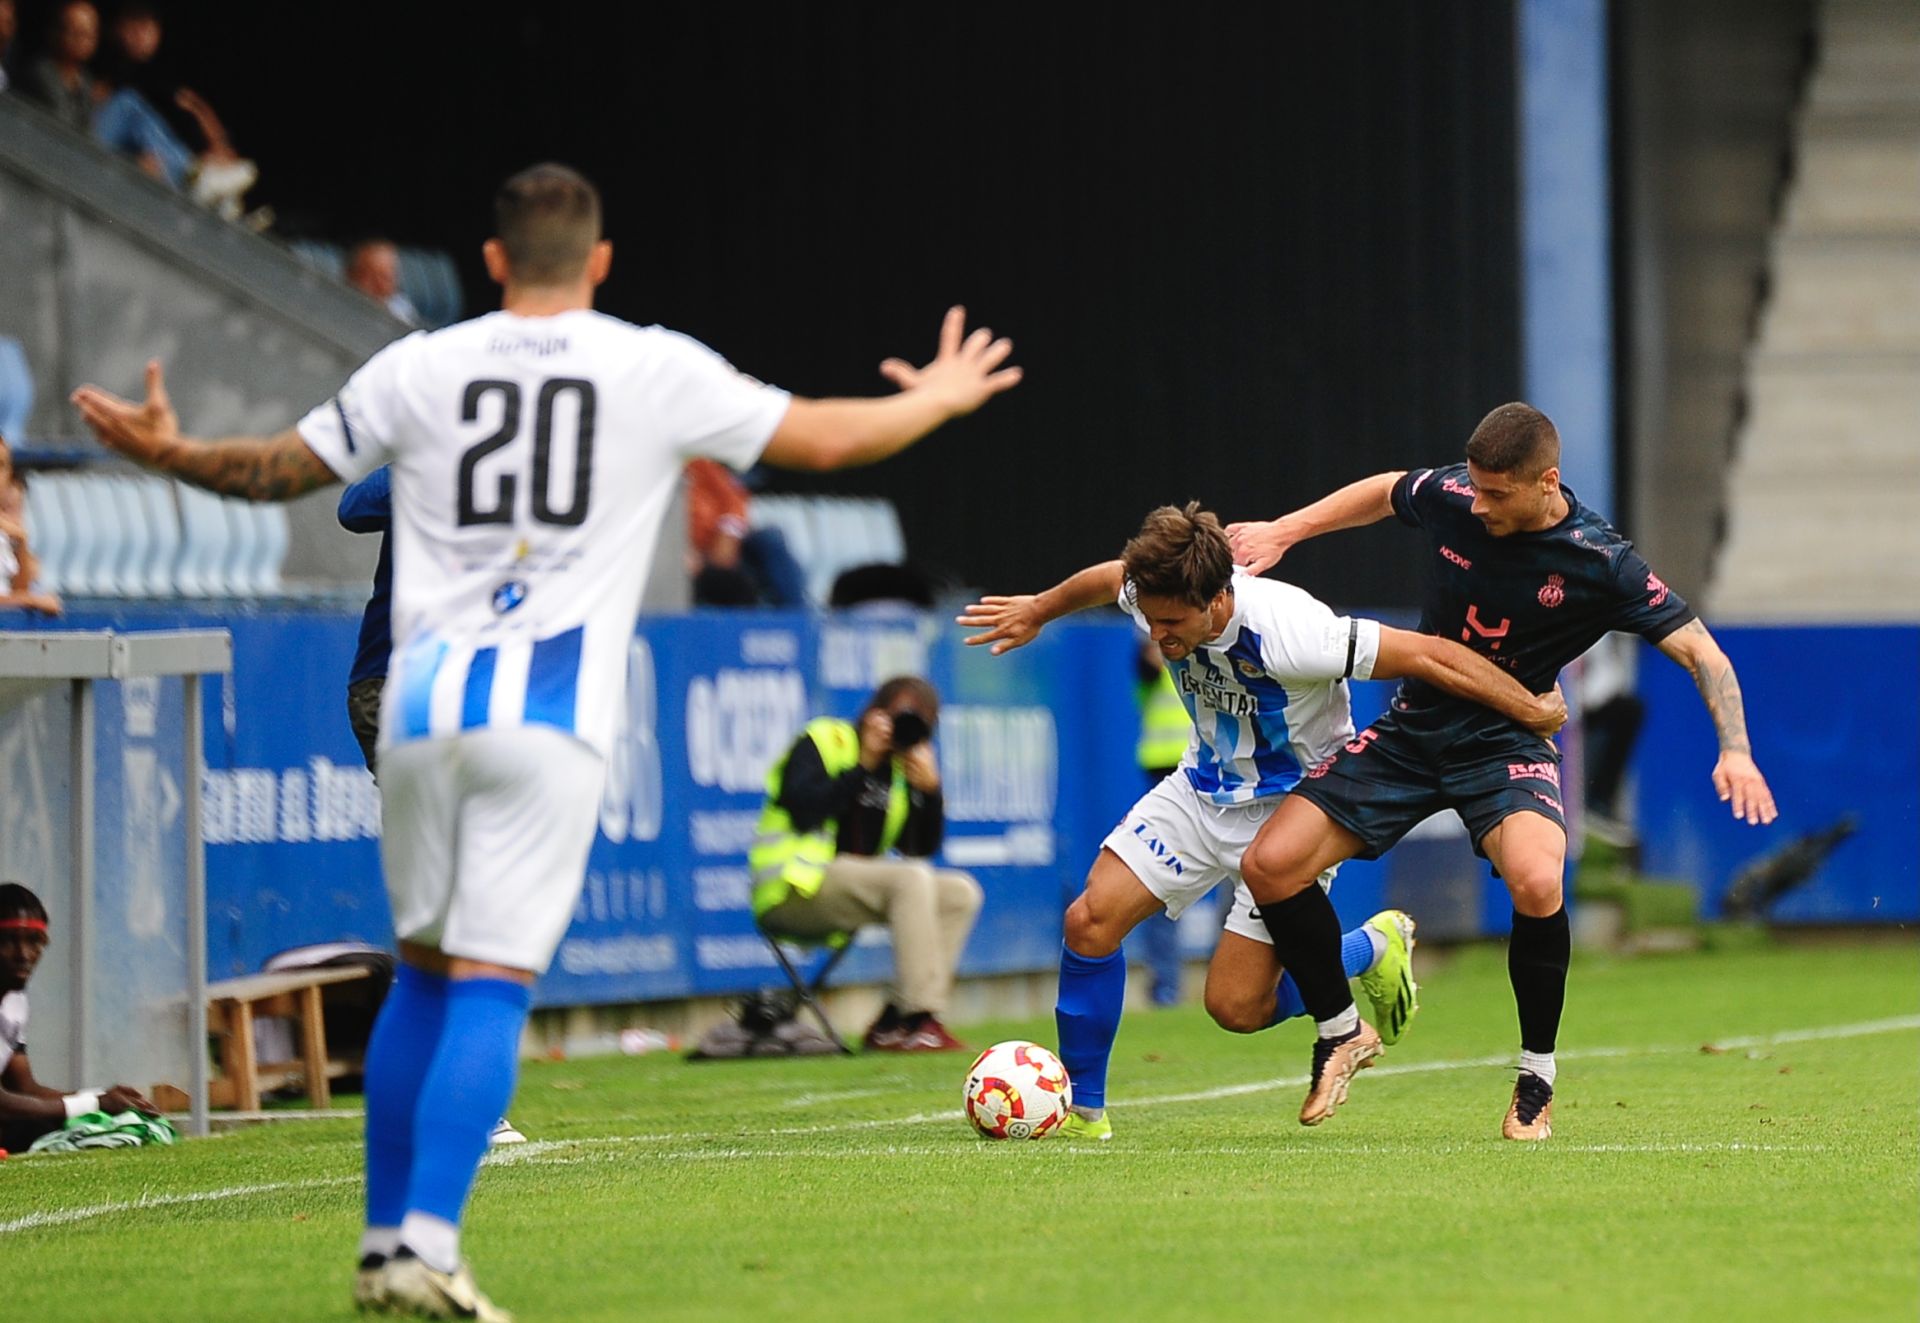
(1735, 776)
(274, 468)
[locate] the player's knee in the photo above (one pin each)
(1236, 1013)
(1090, 934)
(1536, 891)
(1270, 874)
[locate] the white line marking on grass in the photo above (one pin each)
(552, 1151)
(62, 1216)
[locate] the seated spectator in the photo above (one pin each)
(844, 796)
(28, 1108)
(149, 114)
(18, 565)
(64, 81)
(9, 29)
(373, 268)
(734, 564)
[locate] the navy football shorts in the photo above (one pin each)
(1387, 779)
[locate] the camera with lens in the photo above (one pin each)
(909, 729)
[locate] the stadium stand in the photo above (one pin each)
(832, 534)
(428, 276)
(1827, 466)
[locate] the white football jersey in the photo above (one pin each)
(533, 460)
(1268, 697)
(13, 1026)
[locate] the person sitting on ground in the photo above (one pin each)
(18, 565)
(373, 268)
(28, 1108)
(845, 795)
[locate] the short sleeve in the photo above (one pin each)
(353, 433)
(1645, 605)
(711, 410)
(1407, 493)
(1302, 639)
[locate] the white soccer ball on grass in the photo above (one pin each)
(1017, 1090)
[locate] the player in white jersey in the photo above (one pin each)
(534, 451)
(1262, 668)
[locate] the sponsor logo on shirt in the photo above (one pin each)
(1554, 593)
(509, 595)
(1448, 553)
(1457, 487)
(1534, 772)
(1233, 702)
(1160, 852)
(1658, 589)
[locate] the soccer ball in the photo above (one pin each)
(1017, 1090)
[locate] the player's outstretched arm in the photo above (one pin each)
(1447, 665)
(1735, 776)
(274, 468)
(1259, 546)
(965, 373)
(1009, 622)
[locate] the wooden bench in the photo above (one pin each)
(232, 1005)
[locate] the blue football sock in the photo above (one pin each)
(1093, 989)
(1356, 953)
(405, 1037)
(466, 1092)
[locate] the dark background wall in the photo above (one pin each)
(1246, 253)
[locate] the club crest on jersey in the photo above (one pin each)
(508, 595)
(1555, 591)
(1247, 668)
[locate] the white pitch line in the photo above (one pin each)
(538, 1151)
(60, 1217)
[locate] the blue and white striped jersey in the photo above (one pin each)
(1268, 697)
(533, 461)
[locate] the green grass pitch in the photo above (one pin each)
(1771, 1178)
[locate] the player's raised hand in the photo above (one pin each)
(1259, 545)
(1737, 777)
(965, 373)
(1009, 622)
(142, 432)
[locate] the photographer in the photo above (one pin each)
(844, 796)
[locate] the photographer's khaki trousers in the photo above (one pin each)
(930, 910)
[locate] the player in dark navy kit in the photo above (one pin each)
(1529, 578)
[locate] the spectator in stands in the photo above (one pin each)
(9, 29)
(734, 564)
(843, 797)
(373, 268)
(122, 118)
(150, 115)
(61, 79)
(28, 1108)
(18, 565)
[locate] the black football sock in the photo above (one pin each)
(1537, 957)
(1306, 938)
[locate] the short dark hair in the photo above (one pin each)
(1515, 438)
(926, 699)
(1179, 552)
(16, 899)
(547, 217)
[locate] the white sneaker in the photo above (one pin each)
(417, 1290)
(505, 1133)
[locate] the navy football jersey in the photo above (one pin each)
(1528, 602)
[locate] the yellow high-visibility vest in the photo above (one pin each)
(785, 862)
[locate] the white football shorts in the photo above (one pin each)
(485, 837)
(1181, 846)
